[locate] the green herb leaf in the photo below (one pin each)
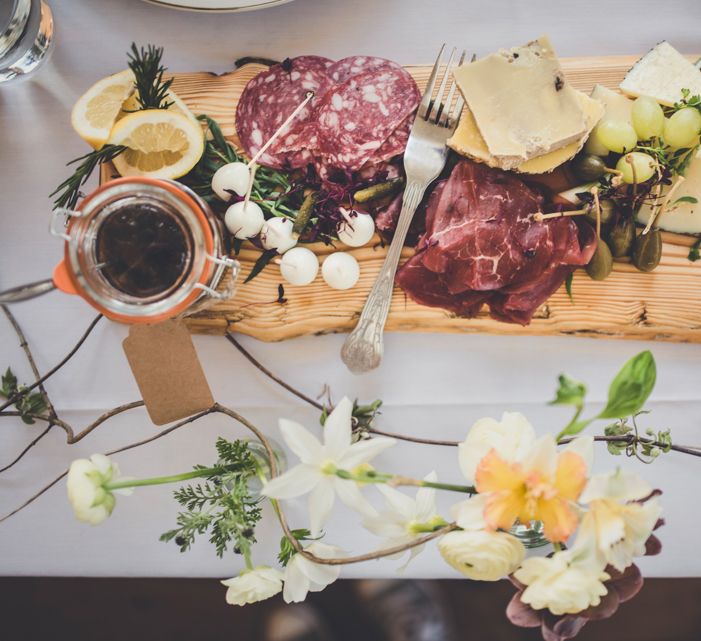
(568, 286)
(686, 199)
(631, 387)
(260, 264)
(695, 251)
(152, 89)
(569, 392)
(9, 383)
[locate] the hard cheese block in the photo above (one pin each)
(662, 73)
(521, 102)
(683, 213)
(468, 141)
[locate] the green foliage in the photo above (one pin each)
(645, 449)
(695, 251)
(152, 89)
(568, 286)
(363, 415)
(221, 504)
(569, 392)
(25, 402)
(287, 551)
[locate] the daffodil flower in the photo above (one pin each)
(303, 576)
(88, 488)
(622, 513)
(405, 519)
(316, 473)
(542, 486)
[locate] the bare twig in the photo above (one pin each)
(32, 443)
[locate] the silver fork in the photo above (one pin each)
(424, 159)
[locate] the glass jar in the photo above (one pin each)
(141, 250)
(26, 37)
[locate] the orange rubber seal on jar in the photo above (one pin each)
(65, 279)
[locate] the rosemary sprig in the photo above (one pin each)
(151, 88)
(68, 192)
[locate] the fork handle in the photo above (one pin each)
(362, 350)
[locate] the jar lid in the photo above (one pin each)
(14, 15)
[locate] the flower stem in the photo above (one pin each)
(394, 480)
(161, 480)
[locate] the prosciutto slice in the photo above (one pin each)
(482, 246)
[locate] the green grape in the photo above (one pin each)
(648, 118)
(594, 147)
(682, 127)
(644, 167)
(617, 135)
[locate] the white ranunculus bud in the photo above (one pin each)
(512, 438)
(482, 555)
(254, 585)
(91, 502)
(565, 583)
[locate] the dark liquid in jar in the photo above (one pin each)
(142, 250)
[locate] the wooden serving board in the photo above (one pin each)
(663, 305)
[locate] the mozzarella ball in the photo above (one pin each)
(340, 270)
(357, 230)
(299, 266)
(277, 234)
(235, 176)
(244, 219)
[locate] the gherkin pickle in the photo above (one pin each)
(621, 238)
(601, 263)
(588, 167)
(648, 250)
(375, 192)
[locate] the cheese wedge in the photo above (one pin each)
(521, 102)
(467, 141)
(662, 73)
(682, 217)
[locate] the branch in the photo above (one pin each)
(20, 456)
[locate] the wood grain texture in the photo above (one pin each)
(663, 305)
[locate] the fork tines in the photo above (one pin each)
(438, 110)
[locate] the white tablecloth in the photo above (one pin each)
(431, 384)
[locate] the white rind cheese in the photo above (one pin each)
(680, 217)
(662, 73)
(522, 103)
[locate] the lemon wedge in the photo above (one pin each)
(131, 104)
(160, 143)
(96, 111)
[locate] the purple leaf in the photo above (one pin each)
(521, 614)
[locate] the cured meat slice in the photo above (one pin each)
(481, 244)
(354, 65)
(269, 99)
(396, 141)
(357, 116)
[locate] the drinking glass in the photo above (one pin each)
(26, 36)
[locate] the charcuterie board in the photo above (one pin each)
(663, 305)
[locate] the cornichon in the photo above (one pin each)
(648, 251)
(377, 191)
(304, 213)
(601, 263)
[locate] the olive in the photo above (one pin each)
(621, 238)
(648, 251)
(588, 167)
(608, 209)
(601, 262)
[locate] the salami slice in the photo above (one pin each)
(356, 117)
(354, 65)
(396, 141)
(269, 99)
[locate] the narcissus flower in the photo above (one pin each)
(316, 472)
(303, 576)
(543, 486)
(254, 585)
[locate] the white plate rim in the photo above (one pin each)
(185, 7)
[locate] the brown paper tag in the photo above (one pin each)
(167, 370)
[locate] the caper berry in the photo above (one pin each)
(601, 263)
(621, 238)
(608, 209)
(648, 251)
(588, 167)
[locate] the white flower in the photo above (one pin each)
(565, 583)
(317, 471)
(616, 525)
(303, 576)
(254, 585)
(405, 519)
(512, 438)
(482, 555)
(91, 502)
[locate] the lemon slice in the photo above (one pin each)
(161, 143)
(96, 111)
(131, 104)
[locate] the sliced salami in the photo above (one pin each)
(396, 141)
(357, 116)
(269, 99)
(354, 65)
